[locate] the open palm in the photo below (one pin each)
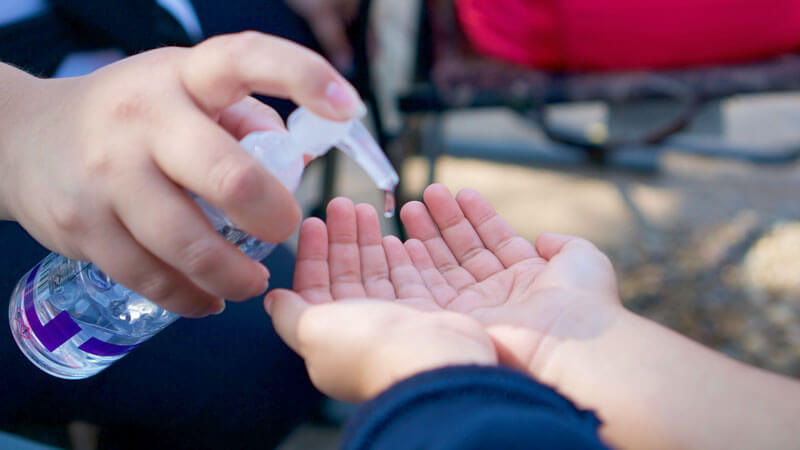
(462, 257)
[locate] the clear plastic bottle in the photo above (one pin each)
(72, 321)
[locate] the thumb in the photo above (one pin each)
(224, 69)
(550, 244)
(285, 308)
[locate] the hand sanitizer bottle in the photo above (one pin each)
(72, 321)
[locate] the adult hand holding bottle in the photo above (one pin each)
(98, 167)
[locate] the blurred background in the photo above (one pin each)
(703, 226)
(667, 133)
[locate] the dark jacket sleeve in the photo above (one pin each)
(471, 407)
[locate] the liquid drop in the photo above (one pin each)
(389, 204)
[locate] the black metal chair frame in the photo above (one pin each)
(427, 101)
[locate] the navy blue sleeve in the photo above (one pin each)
(471, 407)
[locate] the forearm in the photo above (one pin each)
(14, 87)
(654, 388)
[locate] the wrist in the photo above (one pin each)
(394, 364)
(651, 387)
(15, 87)
(392, 377)
(582, 330)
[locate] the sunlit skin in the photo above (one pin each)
(369, 311)
(100, 167)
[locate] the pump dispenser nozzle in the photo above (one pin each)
(312, 135)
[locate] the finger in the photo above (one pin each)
(586, 265)
(495, 233)
(343, 252)
(459, 234)
(224, 69)
(328, 27)
(406, 280)
(166, 221)
(249, 115)
(551, 244)
(201, 157)
(374, 268)
(442, 292)
(129, 264)
(419, 225)
(311, 274)
(285, 309)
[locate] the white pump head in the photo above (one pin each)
(313, 136)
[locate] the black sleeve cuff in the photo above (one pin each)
(471, 407)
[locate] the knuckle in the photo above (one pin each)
(240, 184)
(201, 257)
(97, 162)
(507, 242)
(375, 274)
(128, 106)
(347, 276)
(471, 253)
(484, 218)
(235, 47)
(157, 288)
(451, 221)
(67, 216)
(343, 236)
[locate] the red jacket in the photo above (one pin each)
(580, 35)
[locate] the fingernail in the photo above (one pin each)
(268, 305)
(265, 276)
(222, 308)
(345, 98)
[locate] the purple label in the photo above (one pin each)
(57, 331)
(62, 327)
(97, 347)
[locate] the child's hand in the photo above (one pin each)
(530, 298)
(355, 347)
(462, 258)
(527, 298)
(98, 167)
(554, 310)
(551, 308)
